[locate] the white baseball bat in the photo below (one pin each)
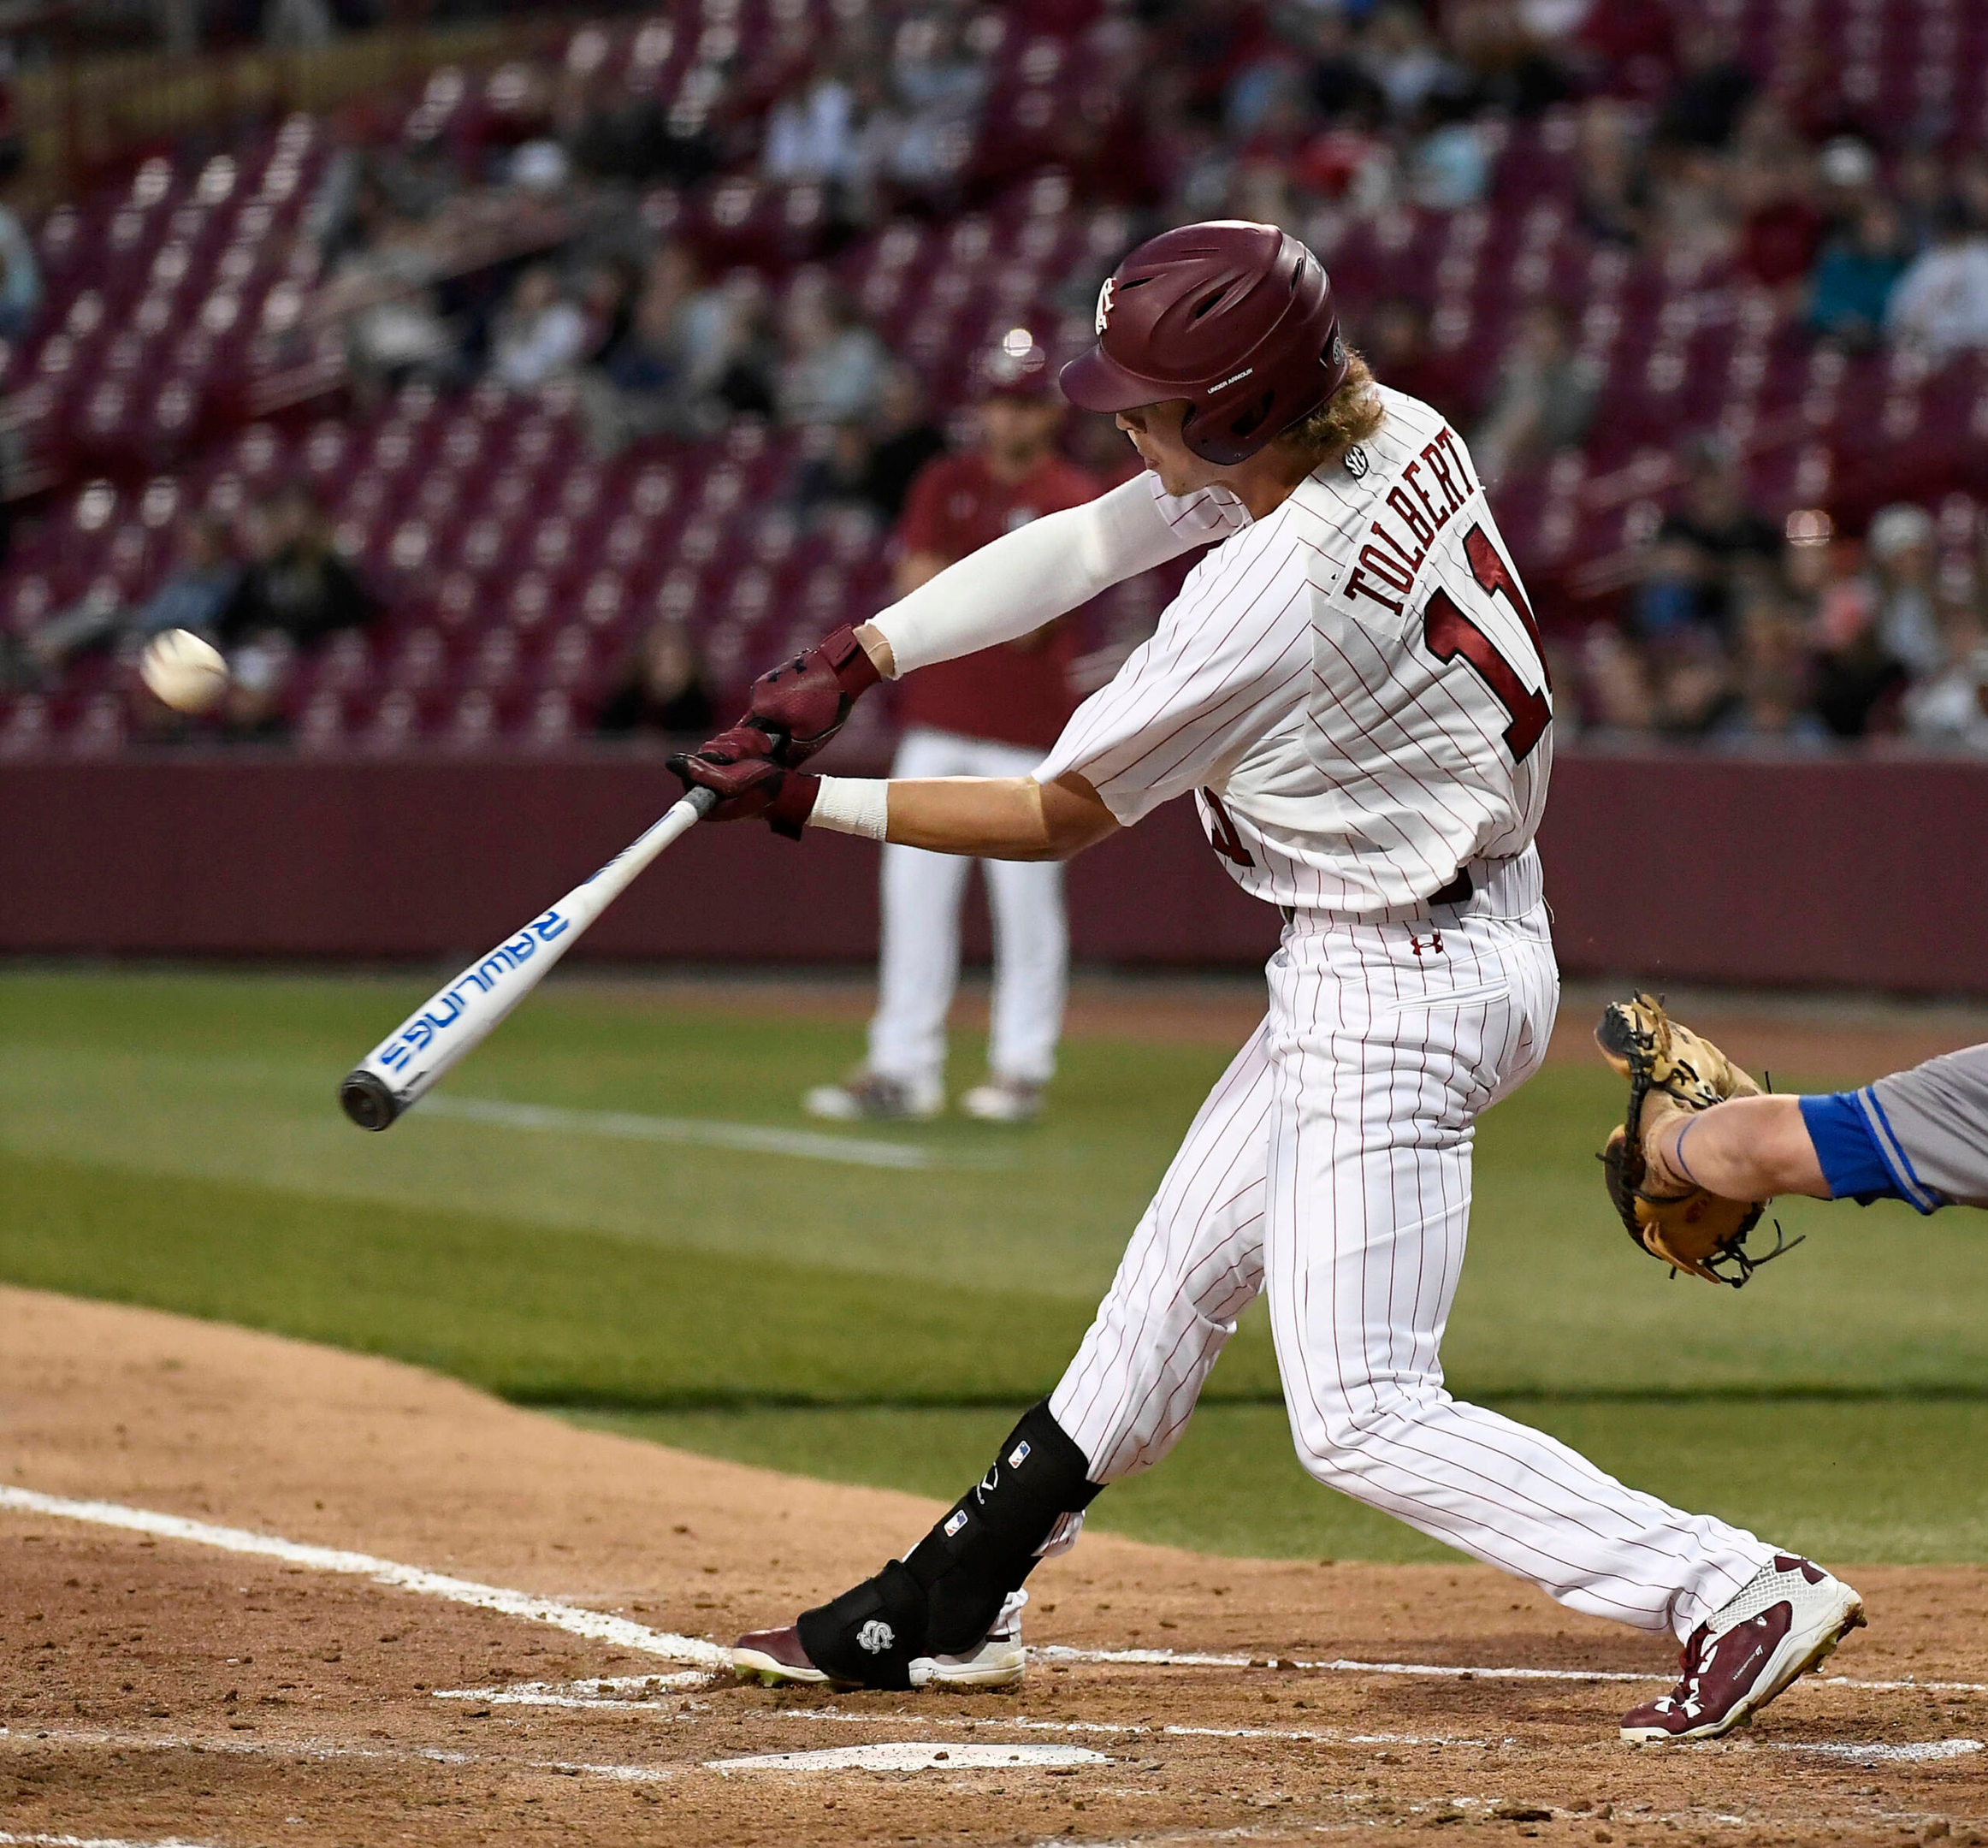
(455, 1020)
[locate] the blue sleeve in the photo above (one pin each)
(1853, 1162)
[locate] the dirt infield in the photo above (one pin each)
(159, 1687)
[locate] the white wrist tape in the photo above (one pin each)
(853, 805)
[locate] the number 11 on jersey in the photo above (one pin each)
(1450, 633)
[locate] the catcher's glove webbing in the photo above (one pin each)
(1672, 1070)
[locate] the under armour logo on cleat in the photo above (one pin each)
(876, 1635)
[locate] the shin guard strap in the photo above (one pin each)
(990, 1538)
(869, 1635)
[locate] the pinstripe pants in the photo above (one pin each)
(1331, 1167)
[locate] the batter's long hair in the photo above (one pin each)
(1351, 415)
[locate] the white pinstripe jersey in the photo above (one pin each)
(1354, 685)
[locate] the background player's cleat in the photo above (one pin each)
(775, 1658)
(1784, 1620)
(1008, 1100)
(866, 1096)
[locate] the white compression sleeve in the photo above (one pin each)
(1025, 579)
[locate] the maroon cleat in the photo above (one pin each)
(1785, 1621)
(774, 1657)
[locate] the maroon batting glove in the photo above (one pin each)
(738, 766)
(803, 702)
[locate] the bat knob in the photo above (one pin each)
(366, 1099)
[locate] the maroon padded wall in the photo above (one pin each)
(1855, 873)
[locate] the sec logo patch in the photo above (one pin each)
(1355, 460)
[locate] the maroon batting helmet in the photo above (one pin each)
(1237, 318)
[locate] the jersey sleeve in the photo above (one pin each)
(1230, 657)
(1199, 517)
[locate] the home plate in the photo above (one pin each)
(913, 1755)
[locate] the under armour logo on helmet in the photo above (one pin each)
(876, 1636)
(1104, 296)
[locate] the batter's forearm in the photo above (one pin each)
(992, 818)
(989, 818)
(1747, 1148)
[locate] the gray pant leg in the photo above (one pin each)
(1936, 1116)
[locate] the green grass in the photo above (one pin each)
(171, 1138)
(1854, 1479)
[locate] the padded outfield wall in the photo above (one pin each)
(1865, 873)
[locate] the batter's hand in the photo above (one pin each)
(803, 702)
(749, 780)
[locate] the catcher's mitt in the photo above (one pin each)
(1672, 1070)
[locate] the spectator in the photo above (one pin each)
(540, 332)
(1545, 396)
(1714, 87)
(903, 440)
(661, 690)
(832, 367)
(1858, 681)
(1900, 544)
(871, 466)
(1399, 350)
(1725, 545)
(1774, 697)
(1780, 229)
(1496, 65)
(19, 277)
(192, 596)
(1850, 289)
(1941, 303)
(650, 381)
(811, 132)
(1611, 190)
(1402, 60)
(1951, 707)
(294, 589)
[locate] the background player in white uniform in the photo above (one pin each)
(1351, 681)
(992, 714)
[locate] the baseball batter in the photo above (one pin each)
(1351, 686)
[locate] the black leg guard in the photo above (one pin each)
(943, 1596)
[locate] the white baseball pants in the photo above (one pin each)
(920, 962)
(1331, 1166)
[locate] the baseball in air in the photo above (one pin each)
(186, 672)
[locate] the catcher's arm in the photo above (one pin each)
(1747, 1148)
(1676, 1079)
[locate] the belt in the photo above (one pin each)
(1460, 891)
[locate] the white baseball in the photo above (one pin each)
(187, 672)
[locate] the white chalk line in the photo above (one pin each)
(235, 1747)
(604, 1627)
(10, 1840)
(606, 1688)
(910, 1755)
(600, 1626)
(1953, 1748)
(1474, 1672)
(753, 1139)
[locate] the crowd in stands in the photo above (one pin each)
(675, 230)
